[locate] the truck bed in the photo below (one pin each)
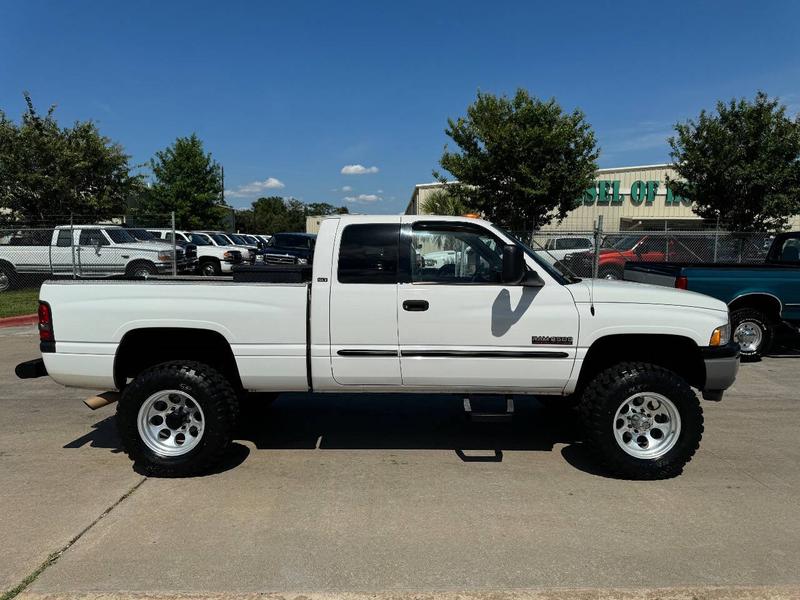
(264, 323)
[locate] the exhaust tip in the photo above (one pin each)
(101, 400)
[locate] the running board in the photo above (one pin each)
(489, 417)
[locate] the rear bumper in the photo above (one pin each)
(722, 365)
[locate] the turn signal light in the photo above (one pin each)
(682, 282)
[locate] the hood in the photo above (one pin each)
(146, 246)
(630, 292)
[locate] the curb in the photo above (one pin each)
(20, 320)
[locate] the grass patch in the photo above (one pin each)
(19, 302)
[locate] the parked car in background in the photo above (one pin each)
(83, 250)
(290, 248)
(618, 249)
(760, 296)
(190, 250)
(556, 248)
(221, 240)
(211, 260)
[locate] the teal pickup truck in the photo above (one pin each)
(761, 297)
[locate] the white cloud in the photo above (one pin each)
(379, 192)
(363, 198)
(347, 188)
(255, 187)
(358, 170)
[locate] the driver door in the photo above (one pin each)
(459, 327)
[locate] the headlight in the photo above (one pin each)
(165, 256)
(721, 336)
(302, 261)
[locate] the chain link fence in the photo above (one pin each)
(599, 253)
(73, 247)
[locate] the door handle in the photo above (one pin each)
(415, 305)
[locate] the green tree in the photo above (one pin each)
(522, 161)
(440, 202)
(740, 165)
(48, 172)
(276, 214)
(187, 181)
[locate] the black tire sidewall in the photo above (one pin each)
(216, 270)
(212, 393)
(618, 384)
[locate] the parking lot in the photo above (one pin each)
(396, 496)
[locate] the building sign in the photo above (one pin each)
(641, 193)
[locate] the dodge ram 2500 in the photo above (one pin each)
(377, 317)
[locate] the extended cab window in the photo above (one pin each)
(455, 255)
(368, 254)
(64, 238)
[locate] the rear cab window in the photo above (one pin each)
(368, 253)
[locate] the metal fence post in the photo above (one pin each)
(72, 243)
(598, 235)
(174, 248)
(716, 240)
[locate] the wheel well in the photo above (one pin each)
(676, 353)
(4, 264)
(141, 349)
(767, 304)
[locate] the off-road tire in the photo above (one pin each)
(605, 394)
(763, 322)
(209, 389)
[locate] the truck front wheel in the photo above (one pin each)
(753, 331)
(177, 418)
(641, 420)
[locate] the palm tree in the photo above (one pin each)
(442, 203)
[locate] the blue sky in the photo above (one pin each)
(286, 95)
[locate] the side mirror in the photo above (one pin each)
(513, 264)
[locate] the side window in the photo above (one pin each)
(455, 256)
(92, 237)
(64, 238)
(791, 250)
(168, 236)
(368, 254)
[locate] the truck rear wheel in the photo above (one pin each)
(753, 331)
(641, 420)
(177, 418)
(142, 269)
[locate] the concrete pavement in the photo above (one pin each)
(391, 496)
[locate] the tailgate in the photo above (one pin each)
(663, 274)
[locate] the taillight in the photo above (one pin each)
(45, 323)
(682, 282)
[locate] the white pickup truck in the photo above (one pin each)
(82, 250)
(375, 317)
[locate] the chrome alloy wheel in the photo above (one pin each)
(171, 423)
(5, 281)
(647, 425)
(749, 335)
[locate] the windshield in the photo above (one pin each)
(142, 234)
(120, 236)
(238, 239)
(221, 239)
(557, 270)
(197, 239)
(624, 242)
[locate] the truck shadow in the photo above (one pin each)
(389, 422)
(398, 422)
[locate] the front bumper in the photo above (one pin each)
(722, 365)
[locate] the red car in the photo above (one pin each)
(619, 249)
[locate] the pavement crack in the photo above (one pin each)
(54, 556)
